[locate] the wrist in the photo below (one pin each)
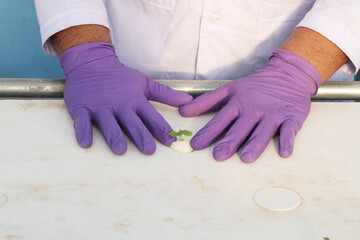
(298, 68)
(78, 35)
(85, 53)
(316, 49)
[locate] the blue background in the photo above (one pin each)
(21, 54)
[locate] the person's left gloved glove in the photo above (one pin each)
(275, 96)
(100, 89)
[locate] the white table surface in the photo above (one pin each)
(57, 190)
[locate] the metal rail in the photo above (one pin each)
(15, 88)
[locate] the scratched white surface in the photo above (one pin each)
(57, 190)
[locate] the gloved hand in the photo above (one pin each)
(100, 89)
(275, 96)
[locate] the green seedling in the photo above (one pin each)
(180, 134)
(326, 238)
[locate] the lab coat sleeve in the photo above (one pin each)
(338, 21)
(57, 15)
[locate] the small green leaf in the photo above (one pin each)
(174, 134)
(326, 238)
(186, 133)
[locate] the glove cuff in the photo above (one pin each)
(85, 53)
(301, 69)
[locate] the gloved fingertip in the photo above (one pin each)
(164, 94)
(84, 140)
(197, 144)
(85, 144)
(119, 148)
(147, 146)
(220, 154)
(83, 132)
(169, 140)
(287, 138)
(148, 149)
(184, 111)
(285, 153)
(187, 99)
(183, 98)
(247, 157)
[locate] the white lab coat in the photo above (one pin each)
(204, 39)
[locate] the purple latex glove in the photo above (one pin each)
(275, 96)
(100, 89)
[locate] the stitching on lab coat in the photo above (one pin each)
(255, 61)
(167, 60)
(199, 37)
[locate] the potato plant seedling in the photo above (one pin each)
(180, 134)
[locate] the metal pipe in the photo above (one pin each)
(31, 88)
(11, 88)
